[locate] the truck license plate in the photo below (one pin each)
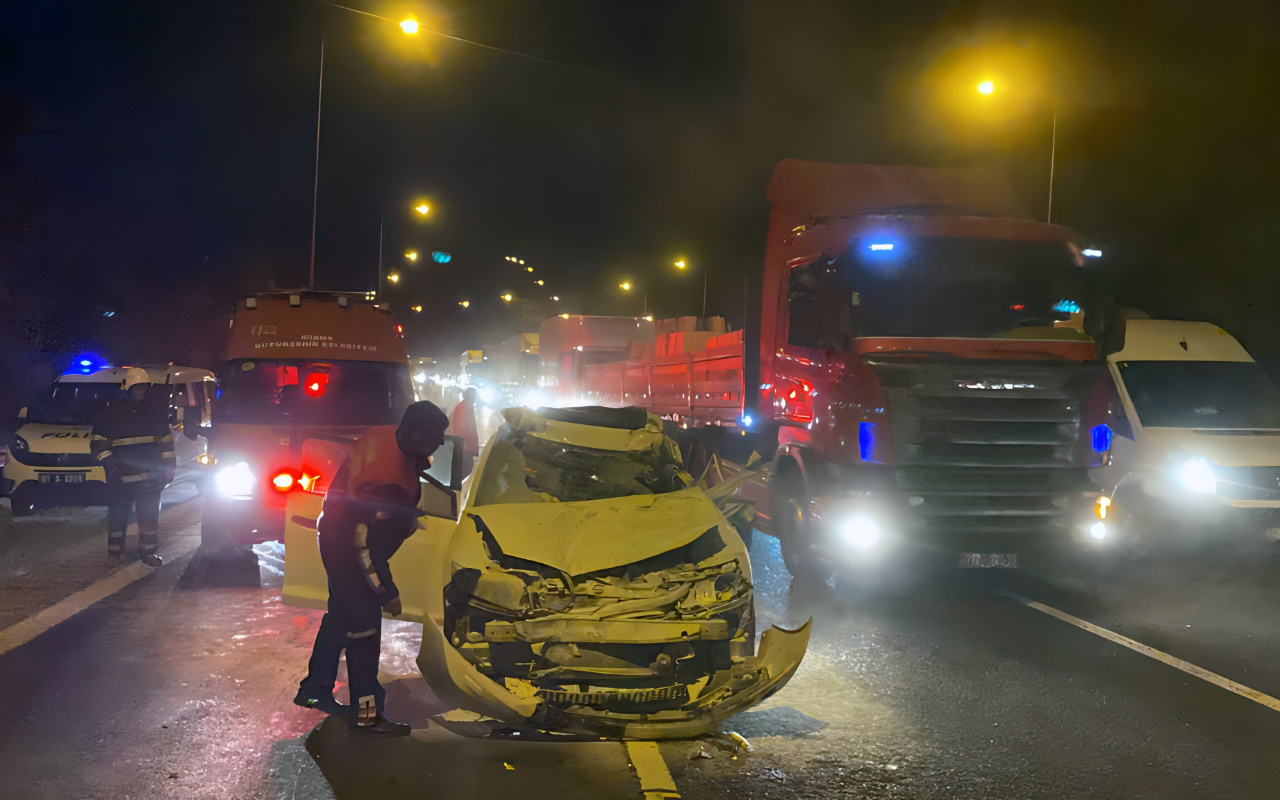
(988, 561)
(62, 477)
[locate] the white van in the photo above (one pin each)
(1196, 426)
(49, 463)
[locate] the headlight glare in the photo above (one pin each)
(1195, 475)
(236, 481)
(860, 531)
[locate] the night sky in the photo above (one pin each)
(156, 158)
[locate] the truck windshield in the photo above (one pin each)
(1202, 394)
(300, 392)
(72, 403)
(936, 287)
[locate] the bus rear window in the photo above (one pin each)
(300, 392)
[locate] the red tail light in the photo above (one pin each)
(283, 481)
(796, 399)
(317, 383)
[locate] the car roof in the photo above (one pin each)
(1175, 340)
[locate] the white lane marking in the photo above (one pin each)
(655, 779)
(22, 632)
(1138, 647)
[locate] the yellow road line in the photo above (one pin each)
(655, 779)
(22, 632)
(1163, 657)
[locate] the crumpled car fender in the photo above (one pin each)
(458, 682)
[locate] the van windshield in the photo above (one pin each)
(1202, 394)
(72, 403)
(302, 392)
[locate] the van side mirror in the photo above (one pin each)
(22, 413)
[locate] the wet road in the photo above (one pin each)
(178, 684)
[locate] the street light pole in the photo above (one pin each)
(315, 187)
(382, 222)
(1053, 149)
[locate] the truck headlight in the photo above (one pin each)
(1196, 476)
(860, 531)
(236, 481)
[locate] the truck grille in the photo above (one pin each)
(989, 446)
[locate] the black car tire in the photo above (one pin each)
(795, 530)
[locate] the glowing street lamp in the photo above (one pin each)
(409, 26)
(465, 303)
(412, 255)
(625, 286)
(539, 282)
(423, 209)
(681, 264)
(394, 277)
(986, 87)
(507, 298)
(417, 309)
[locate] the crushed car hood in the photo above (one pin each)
(593, 535)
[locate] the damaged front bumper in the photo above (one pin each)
(726, 692)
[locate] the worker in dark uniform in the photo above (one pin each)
(370, 509)
(132, 440)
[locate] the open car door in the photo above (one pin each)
(305, 581)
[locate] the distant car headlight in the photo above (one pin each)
(1196, 476)
(860, 531)
(236, 481)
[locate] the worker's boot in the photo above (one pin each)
(115, 543)
(148, 544)
(369, 721)
(324, 703)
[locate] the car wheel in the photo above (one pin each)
(795, 530)
(21, 509)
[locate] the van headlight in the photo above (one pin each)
(860, 531)
(236, 481)
(1196, 476)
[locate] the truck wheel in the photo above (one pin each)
(22, 509)
(795, 530)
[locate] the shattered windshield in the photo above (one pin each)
(524, 468)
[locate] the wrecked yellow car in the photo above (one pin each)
(593, 588)
(590, 585)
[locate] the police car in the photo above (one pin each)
(49, 463)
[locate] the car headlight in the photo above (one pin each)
(1196, 476)
(18, 448)
(236, 481)
(860, 531)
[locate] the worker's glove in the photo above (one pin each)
(393, 606)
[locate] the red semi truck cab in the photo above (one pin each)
(920, 369)
(298, 366)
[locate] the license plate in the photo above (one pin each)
(62, 477)
(988, 561)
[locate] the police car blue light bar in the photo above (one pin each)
(1092, 253)
(1067, 307)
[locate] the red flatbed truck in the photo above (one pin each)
(919, 371)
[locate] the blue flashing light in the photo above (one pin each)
(866, 441)
(745, 420)
(441, 257)
(1101, 437)
(86, 364)
(1067, 307)
(1092, 253)
(879, 246)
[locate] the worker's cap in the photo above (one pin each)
(134, 376)
(421, 427)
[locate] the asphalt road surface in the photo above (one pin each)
(120, 681)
